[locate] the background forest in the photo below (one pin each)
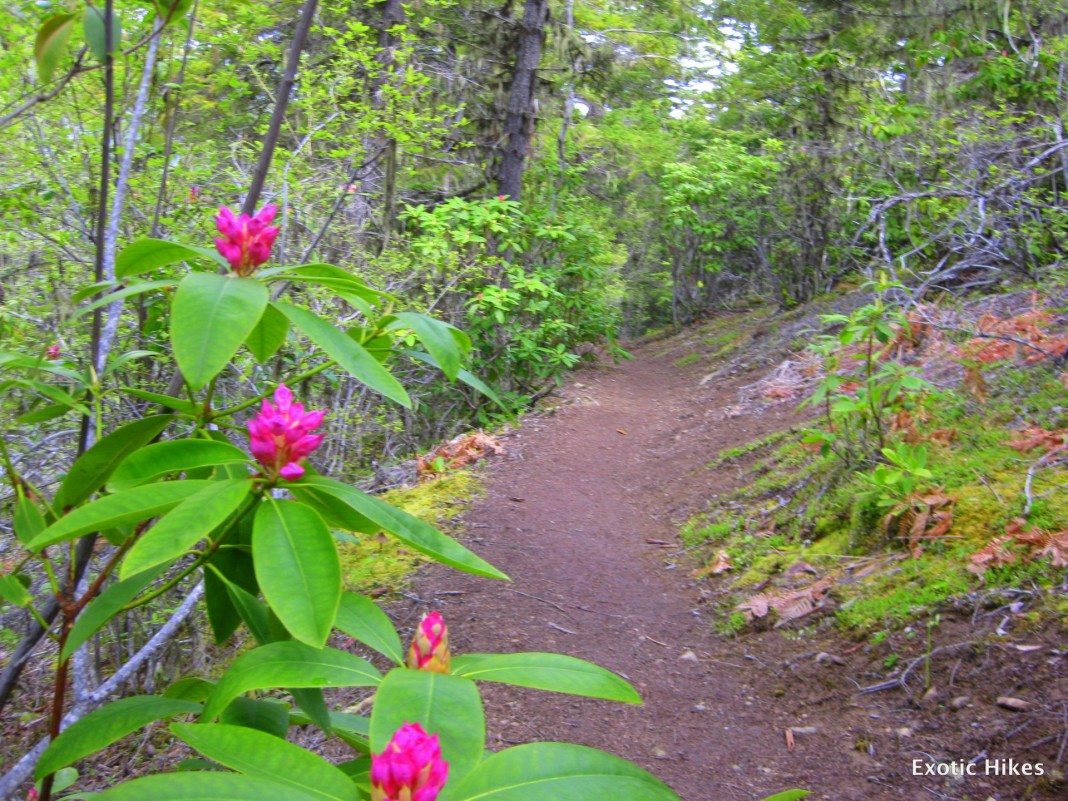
(480, 196)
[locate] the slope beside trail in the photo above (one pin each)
(576, 514)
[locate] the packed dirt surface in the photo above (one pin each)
(583, 514)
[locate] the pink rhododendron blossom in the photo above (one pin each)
(280, 436)
(430, 645)
(52, 352)
(246, 241)
(410, 768)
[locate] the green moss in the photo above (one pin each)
(373, 562)
(689, 358)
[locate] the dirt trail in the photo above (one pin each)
(568, 516)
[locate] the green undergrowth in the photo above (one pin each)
(798, 516)
(380, 563)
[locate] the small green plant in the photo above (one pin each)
(899, 479)
(858, 408)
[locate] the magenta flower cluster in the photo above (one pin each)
(246, 241)
(280, 436)
(410, 768)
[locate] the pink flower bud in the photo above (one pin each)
(410, 768)
(246, 241)
(52, 352)
(430, 645)
(280, 438)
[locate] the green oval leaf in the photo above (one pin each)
(101, 728)
(297, 568)
(289, 664)
(411, 530)
(256, 753)
(51, 44)
(268, 335)
(360, 618)
(448, 706)
(111, 511)
(93, 25)
(201, 786)
(185, 525)
(14, 591)
(28, 521)
(149, 254)
(93, 468)
(560, 771)
(161, 459)
(554, 672)
(212, 315)
(348, 353)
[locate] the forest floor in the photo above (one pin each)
(583, 513)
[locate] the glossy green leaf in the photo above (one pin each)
(14, 591)
(229, 566)
(93, 25)
(555, 672)
(168, 402)
(359, 617)
(149, 254)
(212, 315)
(102, 608)
(256, 753)
(297, 568)
(29, 522)
(185, 525)
(352, 356)
(289, 664)
(438, 338)
(161, 459)
(101, 728)
(51, 44)
(202, 786)
(411, 530)
(93, 468)
(788, 795)
(268, 335)
(448, 706)
(560, 771)
(121, 509)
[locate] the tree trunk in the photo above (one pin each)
(519, 119)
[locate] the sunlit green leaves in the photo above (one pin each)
(348, 353)
(559, 771)
(289, 664)
(361, 618)
(411, 530)
(554, 672)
